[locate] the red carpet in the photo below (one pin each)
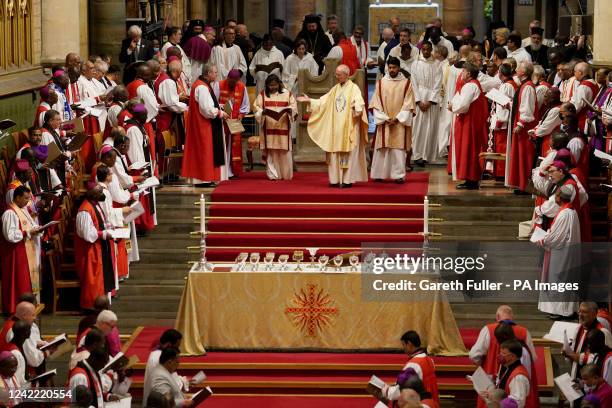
(254, 213)
(276, 401)
(315, 373)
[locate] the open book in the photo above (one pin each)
(43, 377)
(201, 395)
(54, 153)
(269, 68)
(148, 183)
(498, 97)
(120, 233)
(120, 361)
(77, 142)
(559, 330)
(538, 234)
(277, 115)
(138, 165)
(481, 381)
(565, 384)
(55, 342)
(137, 211)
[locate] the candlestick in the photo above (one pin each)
(204, 265)
(202, 214)
(426, 216)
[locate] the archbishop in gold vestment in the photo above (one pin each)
(338, 124)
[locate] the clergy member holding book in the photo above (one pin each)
(267, 60)
(275, 110)
(338, 124)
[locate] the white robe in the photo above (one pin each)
(405, 64)
(32, 354)
(113, 114)
(164, 382)
(136, 154)
(292, 66)
(449, 81)
(561, 241)
(122, 196)
(448, 45)
(461, 103)
(548, 123)
(426, 82)
(226, 59)
(145, 93)
(263, 57)
(88, 90)
(185, 60)
(519, 55)
(168, 95)
(500, 115)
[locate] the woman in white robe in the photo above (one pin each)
(269, 56)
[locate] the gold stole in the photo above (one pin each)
(31, 251)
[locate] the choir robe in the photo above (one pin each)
(567, 89)
(139, 89)
(425, 369)
(39, 116)
(141, 150)
(514, 380)
(15, 384)
(580, 345)
(83, 374)
(426, 79)
(62, 105)
(92, 254)
(94, 122)
(486, 349)
(585, 91)
(548, 125)
(470, 106)
(170, 118)
(114, 216)
(72, 93)
(57, 136)
(205, 157)
(197, 52)
(449, 79)
(500, 118)
(239, 98)
(580, 157)
(20, 257)
(345, 140)
(393, 98)
(561, 261)
(263, 57)
(541, 89)
(292, 66)
(227, 58)
(22, 366)
(520, 150)
(275, 140)
(405, 64)
(113, 114)
(121, 197)
(33, 356)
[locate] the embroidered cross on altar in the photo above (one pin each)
(312, 310)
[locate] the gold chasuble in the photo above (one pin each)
(332, 124)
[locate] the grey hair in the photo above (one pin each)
(566, 193)
(538, 70)
(101, 66)
(442, 50)
(344, 68)
(590, 305)
(584, 68)
(528, 68)
(134, 30)
(207, 68)
(332, 17)
(106, 316)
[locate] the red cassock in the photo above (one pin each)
(8, 326)
(146, 222)
(88, 152)
(15, 271)
(500, 139)
(449, 163)
(237, 94)
(163, 120)
(349, 56)
(522, 150)
(198, 159)
(89, 262)
(532, 400)
(491, 366)
(471, 137)
(40, 110)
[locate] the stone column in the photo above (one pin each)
(107, 28)
(197, 9)
(602, 32)
(60, 29)
(456, 14)
(295, 12)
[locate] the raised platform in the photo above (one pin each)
(256, 214)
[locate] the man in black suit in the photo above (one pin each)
(133, 49)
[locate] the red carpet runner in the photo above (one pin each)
(337, 380)
(255, 214)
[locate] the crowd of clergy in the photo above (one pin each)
(545, 114)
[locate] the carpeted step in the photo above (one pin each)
(229, 254)
(323, 226)
(312, 188)
(274, 239)
(320, 211)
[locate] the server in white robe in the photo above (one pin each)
(405, 51)
(562, 255)
(446, 94)
(393, 107)
(266, 61)
(228, 56)
(426, 79)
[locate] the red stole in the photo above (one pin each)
(522, 151)
(123, 116)
(198, 159)
(605, 314)
(237, 95)
(532, 400)
(281, 132)
(471, 137)
(39, 110)
(349, 56)
(8, 326)
(89, 263)
(164, 117)
(15, 270)
(430, 382)
(72, 93)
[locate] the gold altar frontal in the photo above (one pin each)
(305, 311)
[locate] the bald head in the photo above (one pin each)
(504, 312)
(73, 60)
(175, 67)
(25, 311)
(524, 70)
(465, 50)
(387, 34)
(154, 66)
(144, 72)
(342, 73)
(409, 398)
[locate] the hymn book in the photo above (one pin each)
(538, 234)
(137, 211)
(560, 329)
(269, 68)
(481, 381)
(499, 97)
(602, 155)
(77, 142)
(201, 395)
(120, 361)
(277, 115)
(55, 342)
(43, 376)
(120, 233)
(53, 153)
(566, 386)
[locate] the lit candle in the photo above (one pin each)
(426, 216)
(202, 214)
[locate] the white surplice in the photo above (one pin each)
(168, 95)
(136, 154)
(405, 64)
(426, 79)
(226, 59)
(145, 93)
(263, 57)
(185, 62)
(292, 66)
(519, 55)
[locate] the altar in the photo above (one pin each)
(304, 310)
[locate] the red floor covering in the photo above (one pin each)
(313, 187)
(264, 401)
